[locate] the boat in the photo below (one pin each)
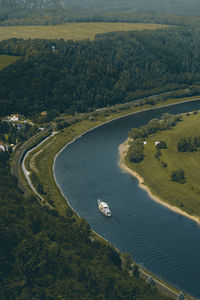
(104, 208)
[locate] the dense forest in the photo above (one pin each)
(121, 5)
(165, 6)
(46, 256)
(69, 76)
(46, 12)
(55, 16)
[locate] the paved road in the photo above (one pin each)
(164, 289)
(17, 160)
(25, 171)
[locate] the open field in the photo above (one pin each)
(6, 60)
(76, 31)
(184, 196)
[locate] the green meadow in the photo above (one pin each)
(76, 31)
(6, 60)
(158, 178)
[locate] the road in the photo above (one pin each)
(25, 171)
(17, 160)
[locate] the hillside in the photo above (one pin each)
(159, 6)
(44, 255)
(48, 12)
(114, 68)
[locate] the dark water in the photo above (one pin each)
(165, 243)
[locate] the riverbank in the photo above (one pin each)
(123, 148)
(44, 157)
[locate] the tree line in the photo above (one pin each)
(56, 16)
(189, 144)
(69, 76)
(136, 150)
(167, 121)
(48, 12)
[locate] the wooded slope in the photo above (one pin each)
(114, 68)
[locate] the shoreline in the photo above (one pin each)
(123, 148)
(124, 167)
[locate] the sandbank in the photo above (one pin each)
(123, 148)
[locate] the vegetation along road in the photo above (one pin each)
(16, 167)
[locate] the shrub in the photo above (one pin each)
(136, 152)
(158, 154)
(164, 164)
(178, 176)
(161, 145)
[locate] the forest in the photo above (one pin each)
(175, 7)
(45, 12)
(69, 76)
(57, 15)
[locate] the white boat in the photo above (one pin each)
(104, 208)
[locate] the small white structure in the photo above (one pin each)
(2, 148)
(19, 126)
(14, 118)
(145, 142)
(6, 147)
(156, 143)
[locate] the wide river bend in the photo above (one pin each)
(165, 243)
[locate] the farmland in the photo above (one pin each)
(76, 31)
(6, 60)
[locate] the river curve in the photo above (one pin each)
(165, 243)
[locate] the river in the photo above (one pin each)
(163, 242)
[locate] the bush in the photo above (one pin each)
(37, 183)
(158, 154)
(136, 152)
(188, 144)
(178, 176)
(161, 145)
(164, 164)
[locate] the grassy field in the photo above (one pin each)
(6, 60)
(76, 31)
(185, 196)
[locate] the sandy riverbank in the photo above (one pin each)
(123, 148)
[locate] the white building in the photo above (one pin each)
(2, 148)
(14, 118)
